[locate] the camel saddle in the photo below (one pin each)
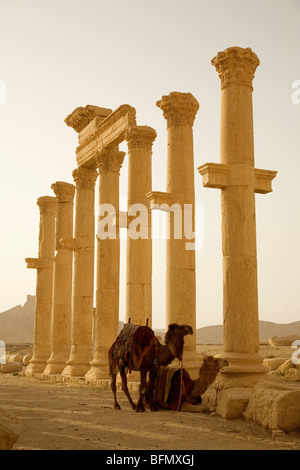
(131, 346)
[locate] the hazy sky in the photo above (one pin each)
(56, 55)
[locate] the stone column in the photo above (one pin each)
(83, 273)
(62, 288)
(109, 162)
(239, 180)
(179, 110)
(139, 250)
(44, 283)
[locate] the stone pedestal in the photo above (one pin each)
(238, 179)
(109, 162)
(83, 272)
(44, 283)
(139, 240)
(62, 286)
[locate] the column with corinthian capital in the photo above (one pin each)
(83, 273)
(109, 162)
(180, 110)
(62, 283)
(44, 283)
(139, 241)
(238, 180)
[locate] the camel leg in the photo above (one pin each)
(114, 390)
(152, 380)
(125, 388)
(140, 405)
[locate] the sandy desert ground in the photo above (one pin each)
(56, 416)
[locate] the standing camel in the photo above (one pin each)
(175, 387)
(138, 349)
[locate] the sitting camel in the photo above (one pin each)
(137, 348)
(174, 387)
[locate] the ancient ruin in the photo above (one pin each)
(74, 330)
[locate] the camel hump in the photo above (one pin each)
(131, 346)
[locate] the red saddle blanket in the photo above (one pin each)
(131, 346)
(172, 388)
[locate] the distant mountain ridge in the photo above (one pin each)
(17, 326)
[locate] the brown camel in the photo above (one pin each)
(138, 349)
(175, 387)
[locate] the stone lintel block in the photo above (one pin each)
(232, 402)
(109, 132)
(81, 117)
(216, 175)
(38, 263)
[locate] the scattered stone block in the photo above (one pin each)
(286, 366)
(10, 368)
(15, 358)
(274, 363)
(283, 340)
(292, 375)
(232, 402)
(275, 405)
(10, 430)
(26, 359)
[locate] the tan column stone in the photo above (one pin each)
(62, 284)
(44, 283)
(239, 180)
(180, 110)
(109, 162)
(139, 250)
(83, 272)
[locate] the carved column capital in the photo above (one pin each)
(236, 66)
(65, 192)
(85, 178)
(109, 159)
(47, 205)
(140, 137)
(179, 108)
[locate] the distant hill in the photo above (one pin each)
(17, 326)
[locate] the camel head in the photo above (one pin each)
(208, 372)
(174, 338)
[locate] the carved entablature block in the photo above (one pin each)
(81, 117)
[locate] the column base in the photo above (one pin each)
(56, 364)
(244, 370)
(79, 362)
(35, 368)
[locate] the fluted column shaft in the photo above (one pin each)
(109, 162)
(44, 284)
(238, 180)
(139, 245)
(62, 284)
(180, 110)
(83, 273)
